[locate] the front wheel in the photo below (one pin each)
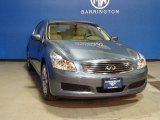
(28, 61)
(45, 84)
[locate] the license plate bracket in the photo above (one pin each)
(112, 83)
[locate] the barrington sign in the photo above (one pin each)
(100, 8)
(100, 4)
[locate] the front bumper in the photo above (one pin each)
(90, 85)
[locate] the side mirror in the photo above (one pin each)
(114, 38)
(36, 37)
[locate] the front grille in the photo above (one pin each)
(74, 87)
(107, 67)
(137, 84)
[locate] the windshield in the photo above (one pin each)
(75, 31)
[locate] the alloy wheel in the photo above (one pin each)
(44, 80)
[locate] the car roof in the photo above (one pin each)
(71, 21)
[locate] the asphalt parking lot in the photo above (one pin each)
(20, 99)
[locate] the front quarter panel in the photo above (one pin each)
(46, 58)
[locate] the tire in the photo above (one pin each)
(45, 84)
(29, 66)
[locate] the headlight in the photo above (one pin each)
(141, 61)
(60, 63)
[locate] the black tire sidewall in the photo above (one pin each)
(28, 61)
(45, 96)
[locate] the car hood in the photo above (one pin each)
(89, 50)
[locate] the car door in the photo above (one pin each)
(36, 48)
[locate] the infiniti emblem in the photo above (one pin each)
(110, 67)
